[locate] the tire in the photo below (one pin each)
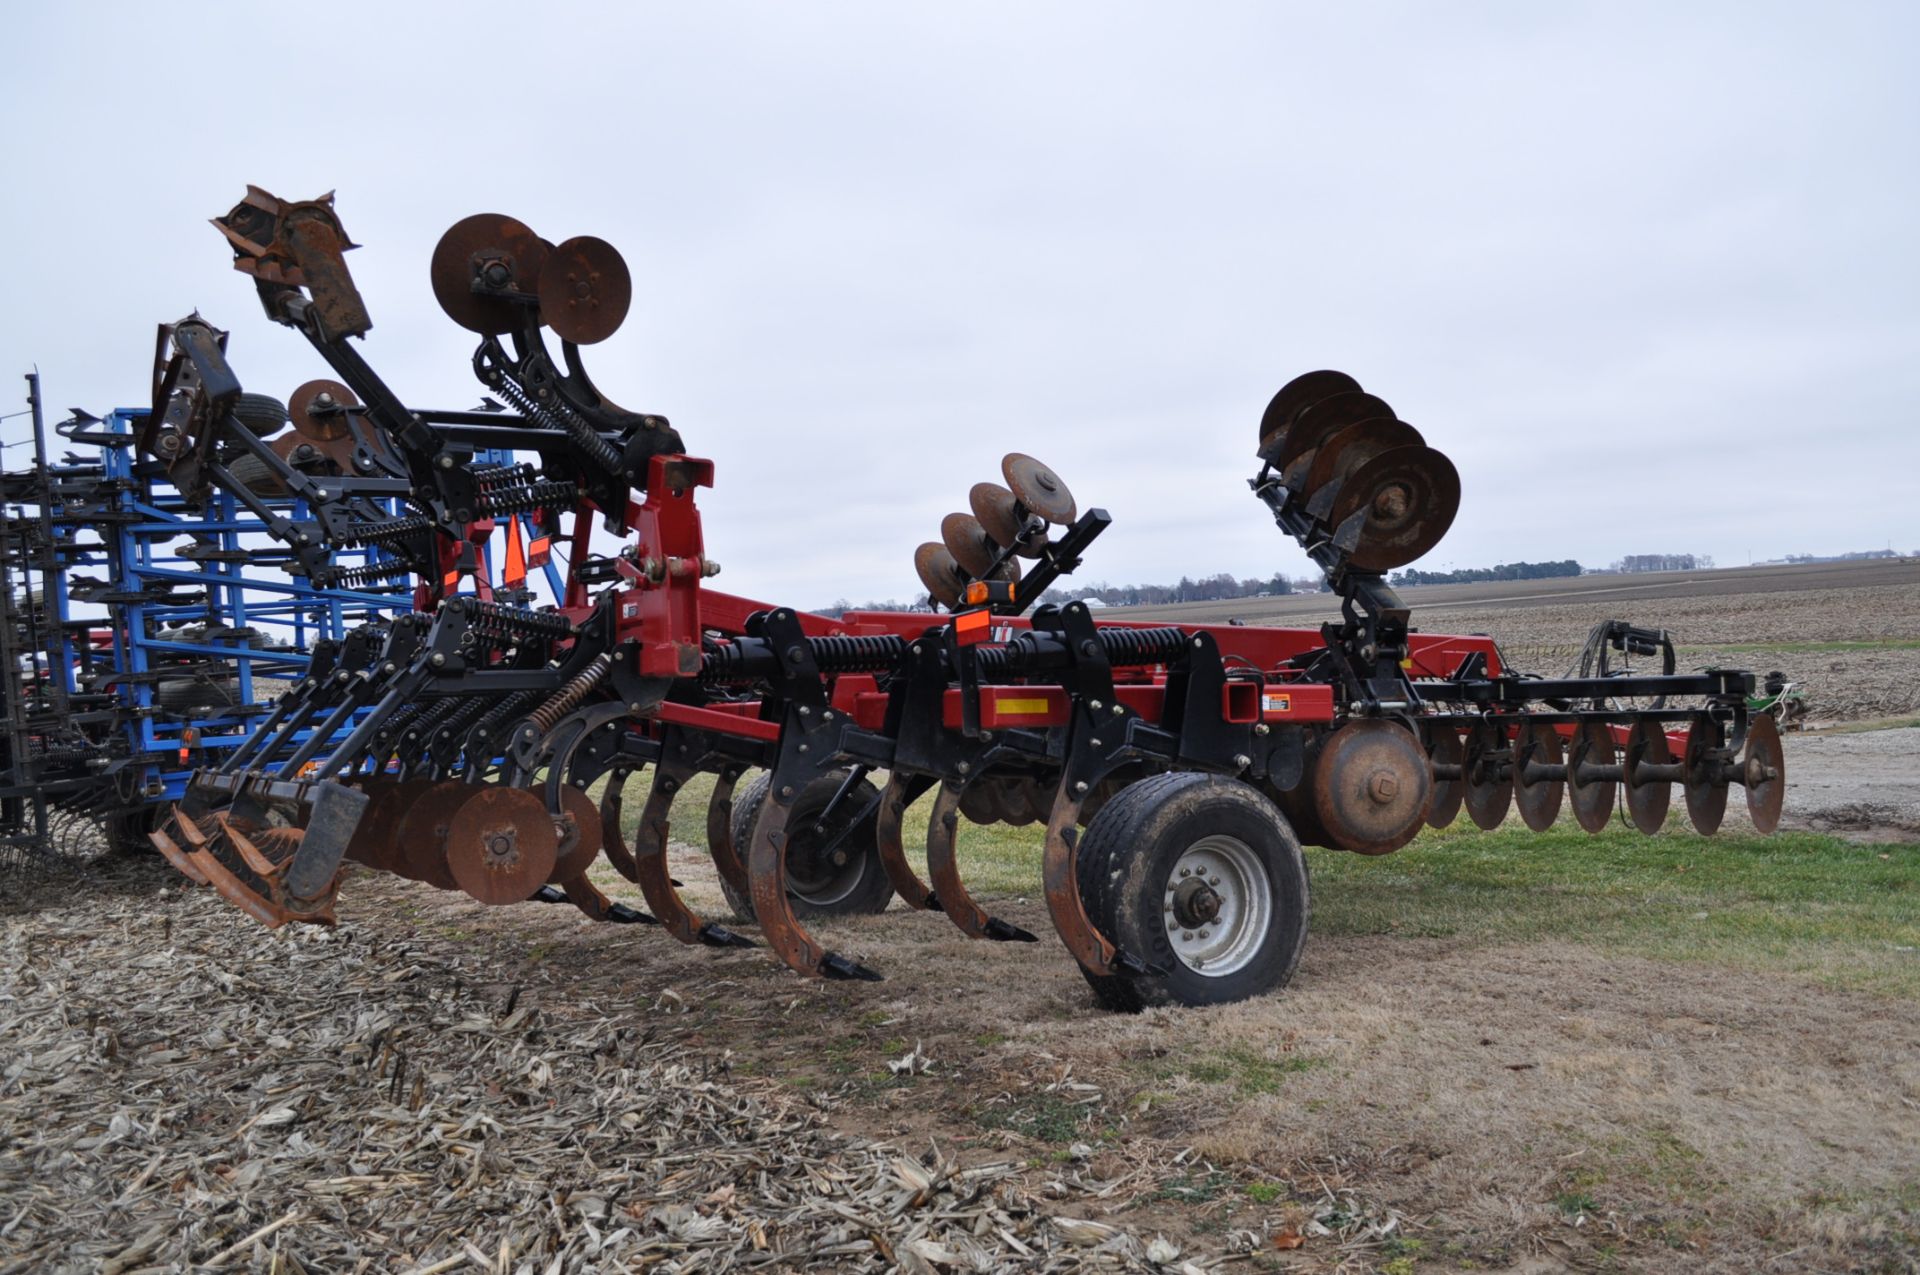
(191, 694)
(857, 888)
(1128, 864)
(252, 473)
(261, 414)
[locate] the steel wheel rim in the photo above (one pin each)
(1237, 878)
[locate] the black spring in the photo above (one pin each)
(524, 500)
(872, 654)
(503, 712)
(568, 698)
(375, 533)
(1143, 646)
(371, 573)
(560, 416)
(494, 621)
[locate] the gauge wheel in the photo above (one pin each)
(1201, 876)
(828, 874)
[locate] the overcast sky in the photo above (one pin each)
(1647, 273)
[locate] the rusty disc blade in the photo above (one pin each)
(580, 846)
(377, 834)
(1647, 801)
(999, 512)
(1706, 795)
(1295, 397)
(1592, 801)
(318, 410)
(939, 573)
(1409, 495)
(979, 803)
(501, 846)
(1346, 451)
(1489, 783)
(1043, 492)
(1444, 749)
(503, 253)
(1538, 799)
(969, 544)
(422, 833)
(1371, 786)
(585, 290)
(1321, 420)
(1764, 769)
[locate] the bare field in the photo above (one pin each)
(1848, 632)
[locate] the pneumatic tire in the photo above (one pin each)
(1201, 876)
(857, 887)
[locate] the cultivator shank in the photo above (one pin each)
(1176, 768)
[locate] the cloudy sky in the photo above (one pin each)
(1646, 272)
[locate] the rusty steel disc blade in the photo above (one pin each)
(582, 846)
(1295, 397)
(1043, 492)
(489, 246)
(1409, 495)
(1035, 798)
(969, 544)
(1346, 451)
(585, 290)
(1321, 420)
(1706, 794)
(501, 845)
(1445, 749)
(1592, 801)
(939, 573)
(422, 834)
(978, 802)
(1537, 799)
(1764, 769)
(1648, 799)
(318, 410)
(377, 834)
(1371, 786)
(1489, 786)
(998, 510)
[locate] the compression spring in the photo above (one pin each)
(526, 499)
(374, 533)
(372, 572)
(492, 620)
(559, 415)
(1143, 646)
(503, 712)
(578, 687)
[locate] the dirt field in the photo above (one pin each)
(1849, 633)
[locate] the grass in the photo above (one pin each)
(1798, 902)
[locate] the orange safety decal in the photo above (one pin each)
(1278, 702)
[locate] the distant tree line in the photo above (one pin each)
(1223, 587)
(1475, 575)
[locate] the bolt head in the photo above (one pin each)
(1095, 705)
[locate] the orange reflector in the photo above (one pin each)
(539, 552)
(970, 627)
(452, 581)
(977, 593)
(516, 573)
(185, 755)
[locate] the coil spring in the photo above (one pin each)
(353, 577)
(568, 698)
(505, 711)
(486, 476)
(375, 533)
(1143, 646)
(526, 499)
(560, 415)
(494, 621)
